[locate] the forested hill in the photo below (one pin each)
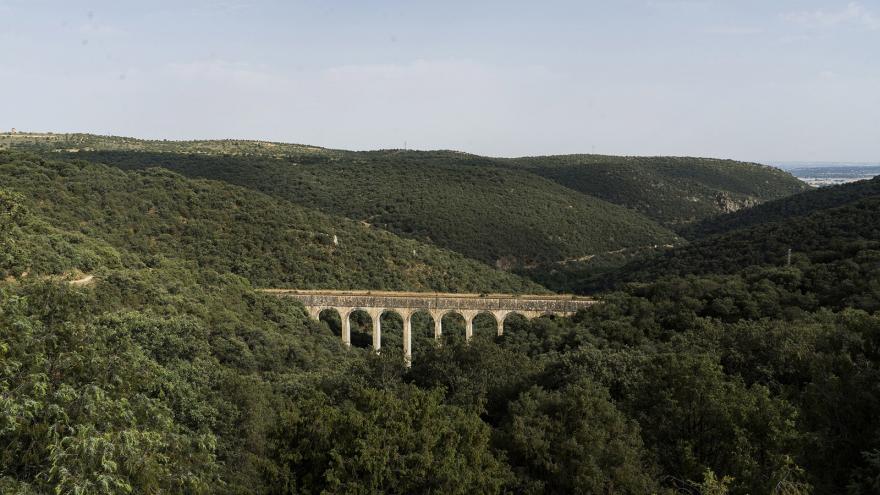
(787, 208)
(92, 142)
(156, 213)
(674, 191)
(833, 235)
(509, 213)
(168, 373)
(503, 217)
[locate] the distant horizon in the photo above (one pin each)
(782, 164)
(791, 80)
(821, 164)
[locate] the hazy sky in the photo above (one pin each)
(760, 80)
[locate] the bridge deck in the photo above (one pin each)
(389, 293)
(436, 300)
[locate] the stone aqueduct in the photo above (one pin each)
(406, 304)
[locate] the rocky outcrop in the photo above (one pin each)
(728, 203)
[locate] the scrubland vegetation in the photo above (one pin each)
(713, 367)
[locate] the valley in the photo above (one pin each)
(510, 214)
(135, 312)
(254, 247)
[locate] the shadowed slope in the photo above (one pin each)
(157, 213)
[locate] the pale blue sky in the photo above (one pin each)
(759, 80)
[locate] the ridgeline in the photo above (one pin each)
(513, 214)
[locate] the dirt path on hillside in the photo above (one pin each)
(82, 282)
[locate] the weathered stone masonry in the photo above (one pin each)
(406, 304)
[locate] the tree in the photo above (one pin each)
(695, 418)
(12, 215)
(79, 410)
(400, 440)
(573, 440)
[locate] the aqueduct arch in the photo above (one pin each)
(406, 304)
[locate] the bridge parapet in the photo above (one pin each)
(429, 300)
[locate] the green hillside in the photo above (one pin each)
(156, 213)
(77, 142)
(510, 213)
(833, 235)
(168, 373)
(504, 217)
(674, 191)
(787, 208)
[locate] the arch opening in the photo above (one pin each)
(392, 331)
(453, 327)
(332, 319)
(361, 328)
(485, 325)
(515, 323)
(422, 332)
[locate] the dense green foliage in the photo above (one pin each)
(76, 142)
(674, 191)
(787, 209)
(11, 212)
(501, 216)
(272, 243)
(835, 249)
(397, 439)
(166, 374)
(510, 213)
(627, 396)
(721, 370)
